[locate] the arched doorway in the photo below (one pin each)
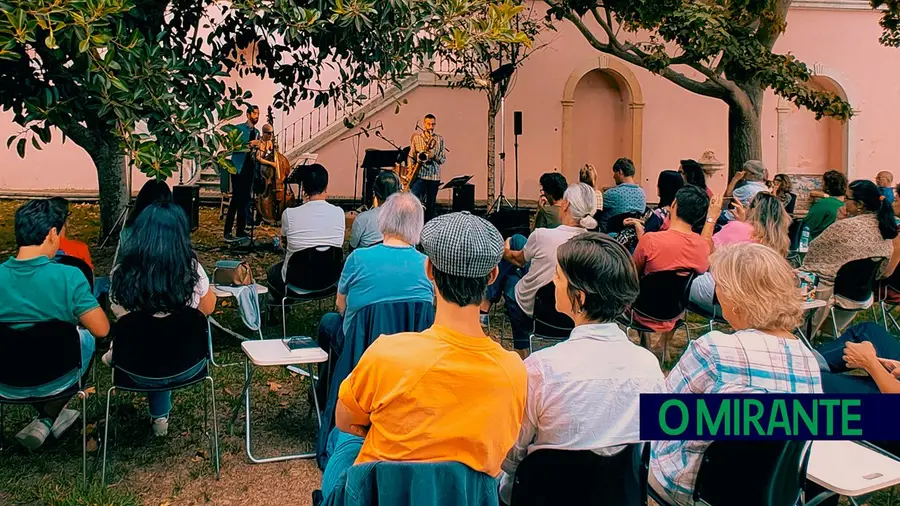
(607, 123)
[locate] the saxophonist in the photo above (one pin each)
(426, 155)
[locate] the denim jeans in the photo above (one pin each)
(343, 449)
(61, 384)
(160, 402)
(521, 323)
(833, 381)
(330, 339)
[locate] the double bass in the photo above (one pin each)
(274, 168)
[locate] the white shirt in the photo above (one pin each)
(315, 223)
(540, 250)
(583, 394)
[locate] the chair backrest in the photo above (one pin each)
(370, 322)
(78, 263)
(548, 322)
(664, 294)
(36, 353)
(614, 224)
(772, 473)
(856, 280)
(316, 268)
(580, 477)
(160, 346)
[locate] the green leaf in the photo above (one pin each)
(20, 148)
(10, 140)
(50, 41)
(84, 45)
(35, 143)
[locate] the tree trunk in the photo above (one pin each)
(109, 158)
(492, 148)
(744, 129)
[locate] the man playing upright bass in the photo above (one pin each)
(426, 155)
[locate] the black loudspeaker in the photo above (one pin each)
(188, 198)
(517, 123)
(464, 198)
(511, 221)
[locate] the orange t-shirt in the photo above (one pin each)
(436, 396)
(76, 249)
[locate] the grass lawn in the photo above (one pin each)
(176, 470)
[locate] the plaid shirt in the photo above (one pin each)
(747, 361)
(430, 170)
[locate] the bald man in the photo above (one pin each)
(885, 182)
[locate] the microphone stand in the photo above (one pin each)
(356, 138)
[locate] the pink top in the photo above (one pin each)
(733, 233)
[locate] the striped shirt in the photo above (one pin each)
(747, 361)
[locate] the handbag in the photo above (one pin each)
(232, 273)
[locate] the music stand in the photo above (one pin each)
(455, 186)
(457, 182)
(376, 159)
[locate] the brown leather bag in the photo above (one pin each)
(232, 273)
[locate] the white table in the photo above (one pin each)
(273, 352)
(222, 294)
(808, 308)
(851, 469)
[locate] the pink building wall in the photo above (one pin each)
(840, 44)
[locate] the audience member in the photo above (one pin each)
(745, 184)
(693, 174)
(392, 271)
(824, 211)
(529, 264)
(153, 191)
(667, 185)
(157, 272)
(867, 232)
(588, 175)
(765, 223)
(760, 300)
(38, 290)
(677, 248)
(553, 185)
(885, 182)
(67, 246)
(583, 393)
(781, 187)
(315, 223)
(626, 197)
(365, 232)
(461, 392)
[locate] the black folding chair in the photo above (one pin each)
(855, 281)
(749, 473)
(158, 349)
(580, 477)
(79, 264)
(614, 225)
(549, 324)
(663, 298)
(312, 275)
(36, 353)
(888, 297)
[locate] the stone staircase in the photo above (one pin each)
(209, 185)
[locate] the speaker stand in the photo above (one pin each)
(501, 198)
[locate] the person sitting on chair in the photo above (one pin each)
(462, 392)
(157, 272)
(667, 185)
(528, 264)
(70, 247)
(315, 223)
(553, 185)
(152, 192)
(745, 184)
(626, 197)
(597, 374)
(38, 290)
(761, 302)
(588, 175)
(677, 248)
(365, 231)
(824, 210)
(392, 271)
(885, 182)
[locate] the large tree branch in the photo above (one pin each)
(770, 29)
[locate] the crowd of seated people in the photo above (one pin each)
(693, 174)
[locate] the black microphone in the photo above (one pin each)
(365, 131)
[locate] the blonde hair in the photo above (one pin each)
(761, 281)
(588, 175)
(770, 222)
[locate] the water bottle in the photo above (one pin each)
(276, 244)
(804, 240)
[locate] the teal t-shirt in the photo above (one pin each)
(37, 289)
(383, 273)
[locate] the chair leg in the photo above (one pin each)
(83, 436)
(215, 424)
(106, 436)
(884, 315)
(894, 321)
(834, 322)
(283, 317)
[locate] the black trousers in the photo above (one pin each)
(241, 186)
(427, 192)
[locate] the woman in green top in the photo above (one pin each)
(825, 210)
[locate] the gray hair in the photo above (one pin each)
(582, 204)
(402, 216)
(755, 170)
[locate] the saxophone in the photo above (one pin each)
(421, 159)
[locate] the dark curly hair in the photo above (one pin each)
(156, 269)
